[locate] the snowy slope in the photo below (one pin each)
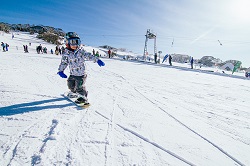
(140, 114)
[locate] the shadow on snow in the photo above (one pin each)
(32, 106)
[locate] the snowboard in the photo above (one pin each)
(73, 99)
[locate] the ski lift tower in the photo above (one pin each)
(149, 35)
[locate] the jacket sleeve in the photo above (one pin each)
(64, 63)
(89, 56)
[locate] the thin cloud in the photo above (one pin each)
(203, 35)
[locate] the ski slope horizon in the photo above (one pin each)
(140, 113)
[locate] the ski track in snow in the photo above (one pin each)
(137, 134)
(36, 158)
(150, 142)
(160, 147)
(49, 135)
(15, 140)
(216, 146)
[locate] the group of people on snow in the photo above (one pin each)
(39, 49)
(170, 60)
(25, 48)
(5, 46)
(59, 50)
(44, 50)
(97, 54)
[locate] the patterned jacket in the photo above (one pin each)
(76, 61)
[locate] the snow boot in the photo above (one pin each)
(72, 95)
(81, 100)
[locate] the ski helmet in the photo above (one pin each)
(72, 40)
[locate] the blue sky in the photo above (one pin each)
(195, 26)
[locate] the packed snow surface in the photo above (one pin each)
(140, 113)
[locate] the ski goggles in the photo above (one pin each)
(74, 41)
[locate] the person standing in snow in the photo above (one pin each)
(170, 60)
(7, 46)
(3, 45)
(74, 57)
(63, 50)
(192, 63)
(97, 54)
(57, 50)
(39, 49)
(60, 50)
(45, 50)
(155, 58)
(109, 52)
(25, 48)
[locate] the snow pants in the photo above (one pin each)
(76, 84)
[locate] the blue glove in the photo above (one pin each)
(61, 74)
(100, 63)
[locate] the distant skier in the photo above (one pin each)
(39, 49)
(57, 50)
(63, 50)
(155, 57)
(247, 74)
(109, 52)
(7, 46)
(3, 45)
(170, 60)
(74, 57)
(60, 51)
(45, 50)
(192, 63)
(26, 49)
(97, 54)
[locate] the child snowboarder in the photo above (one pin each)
(75, 57)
